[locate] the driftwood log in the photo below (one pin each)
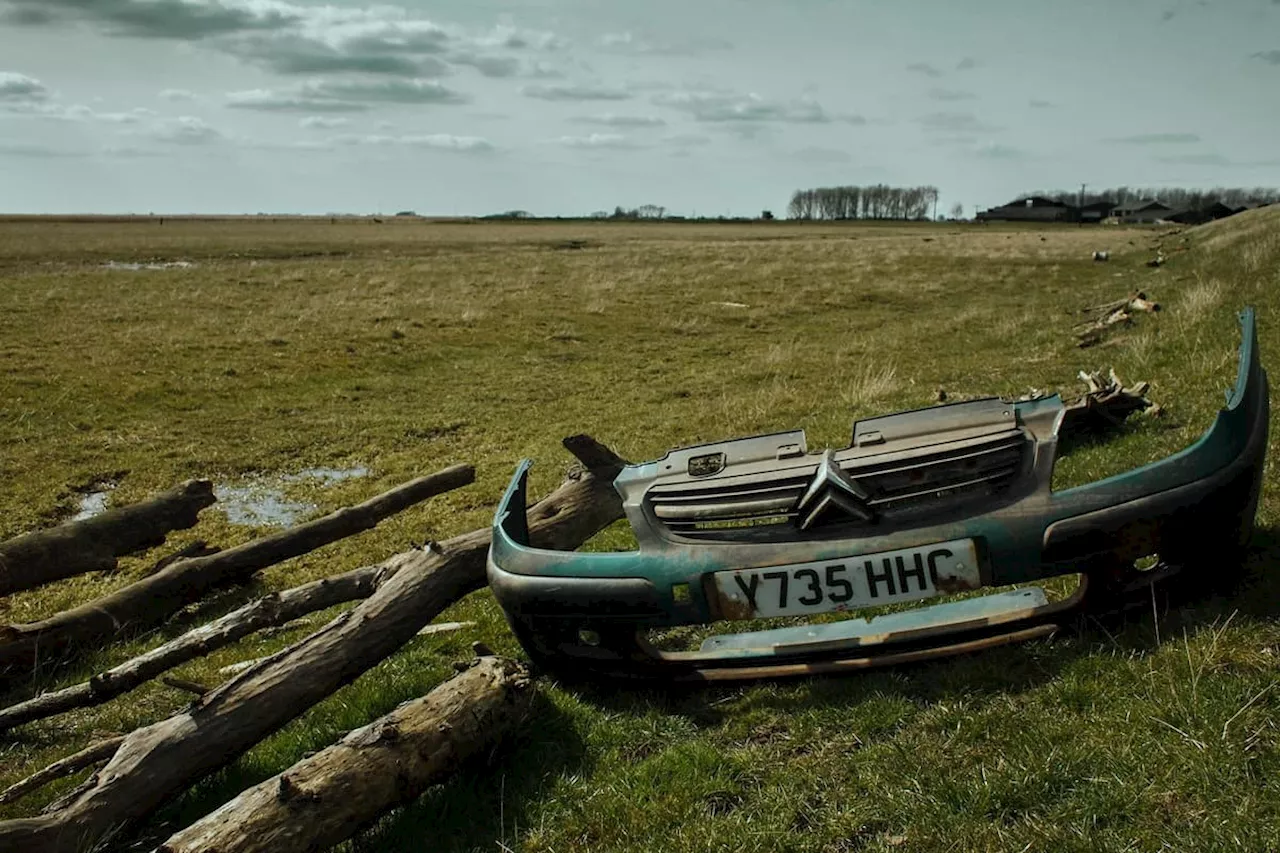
(1104, 406)
(1119, 312)
(159, 761)
(158, 596)
(274, 609)
(326, 798)
(96, 753)
(94, 544)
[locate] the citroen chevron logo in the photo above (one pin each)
(832, 496)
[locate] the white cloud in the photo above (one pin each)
(438, 141)
(710, 106)
(575, 92)
(596, 140)
(612, 120)
(15, 87)
(184, 130)
(322, 122)
(177, 95)
(345, 95)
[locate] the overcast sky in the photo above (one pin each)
(564, 107)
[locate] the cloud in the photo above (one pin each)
(1271, 57)
(631, 43)
(164, 19)
(15, 87)
(1037, 104)
(177, 95)
(435, 141)
(296, 39)
(595, 140)
(322, 123)
(184, 130)
(1156, 139)
(950, 95)
(574, 92)
(686, 140)
(290, 53)
(268, 100)
(727, 107)
(924, 68)
(967, 64)
(326, 96)
(611, 120)
(955, 123)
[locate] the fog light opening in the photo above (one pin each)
(680, 593)
(1147, 563)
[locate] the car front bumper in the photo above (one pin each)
(587, 612)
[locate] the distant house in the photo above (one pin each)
(1097, 211)
(1217, 210)
(1031, 209)
(1145, 211)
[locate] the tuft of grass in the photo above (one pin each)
(410, 346)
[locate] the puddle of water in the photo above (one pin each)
(92, 504)
(259, 503)
(327, 476)
(168, 265)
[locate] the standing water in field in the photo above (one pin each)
(259, 503)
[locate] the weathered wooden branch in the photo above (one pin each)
(1119, 312)
(183, 684)
(160, 760)
(1104, 406)
(156, 597)
(93, 754)
(326, 798)
(273, 609)
(93, 544)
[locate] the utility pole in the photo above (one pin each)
(1082, 186)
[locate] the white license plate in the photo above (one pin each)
(851, 583)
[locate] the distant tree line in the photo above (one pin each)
(1178, 198)
(874, 202)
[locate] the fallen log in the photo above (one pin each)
(96, 753)
(273, 609)
(94, 544)
(1104, 406)
(158, 596)
(159, 761)
(326, 798)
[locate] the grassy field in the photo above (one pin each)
(408, 346)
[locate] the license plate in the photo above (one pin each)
(850, 583)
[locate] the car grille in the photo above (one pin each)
(902, 484)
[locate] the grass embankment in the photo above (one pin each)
(409, 346)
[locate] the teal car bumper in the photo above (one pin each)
(921, 504)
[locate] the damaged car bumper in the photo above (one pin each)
(921, 504)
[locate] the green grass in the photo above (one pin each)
(407, 347)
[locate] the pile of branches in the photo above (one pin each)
(1109, 316)
(328, 796)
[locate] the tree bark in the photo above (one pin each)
(93, 544)
(160, 760)
(274, 609)
(327, 798)
(156, 597)
(87, 757)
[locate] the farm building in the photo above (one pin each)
(1031, 209)
(1145, 211)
